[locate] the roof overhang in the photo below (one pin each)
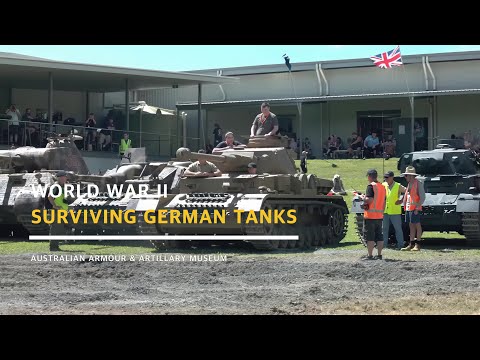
(33, 73)
(316, 99)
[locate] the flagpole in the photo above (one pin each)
(287, 62)
(386, 61)
(412, 110)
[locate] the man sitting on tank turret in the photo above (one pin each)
(228, 143)
(202, 168)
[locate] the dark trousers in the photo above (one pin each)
(57, 229)
(368, 151)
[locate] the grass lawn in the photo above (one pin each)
(352, 172)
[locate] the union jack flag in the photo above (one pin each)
(388, 59)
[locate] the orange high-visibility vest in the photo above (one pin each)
(411, 200)
(376, 208)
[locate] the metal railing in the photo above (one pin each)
(35, 133)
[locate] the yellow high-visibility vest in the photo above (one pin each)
(124, 146)
(392, 197)
(59, 202)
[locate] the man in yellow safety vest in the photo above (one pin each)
(125, 144)
(393, 209)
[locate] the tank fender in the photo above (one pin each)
(468, 203)
(150, 203)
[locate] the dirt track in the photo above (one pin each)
(324, 282)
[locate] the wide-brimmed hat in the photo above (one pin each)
(410, 170)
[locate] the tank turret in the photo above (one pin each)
(61, 153)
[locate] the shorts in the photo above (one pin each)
(372, 229)
(356, 146)
(411, 218)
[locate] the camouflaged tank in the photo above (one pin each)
(23, 167)
(127, 178)
(277, 185)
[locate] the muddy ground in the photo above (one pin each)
(323, 282)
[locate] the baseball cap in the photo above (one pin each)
(389, 174)
(372, 172)
(252, 165)
(61, 173)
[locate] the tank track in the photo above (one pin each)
(471, 227)
(319, 223)
(359, 228)
(39, 229)
(150, 229)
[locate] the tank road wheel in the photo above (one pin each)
(337, 224)
(322, 231)
(290, 230)
(278, 230)
(471, 228)
(315, 236)
(315, 211)
(308, 237)
(262, 229)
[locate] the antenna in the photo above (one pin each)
(383, 155)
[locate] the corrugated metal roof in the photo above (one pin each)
(22, 71)
(186, 106)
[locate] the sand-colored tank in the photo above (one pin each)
(277, 185)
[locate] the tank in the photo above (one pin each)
(163, 175)
(451, 178)
(278, 185)
(24, 166)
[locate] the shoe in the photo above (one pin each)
(407, 248)
(368, 258)
(416, 248)
(378, 257)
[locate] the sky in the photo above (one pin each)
(199, 57)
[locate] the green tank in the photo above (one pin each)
(277, 185)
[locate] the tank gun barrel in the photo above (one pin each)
(234, 161)
(185, 154)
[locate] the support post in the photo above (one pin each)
(200, 124)
(127, 105)
(50, 99)
(412, 123)
(300, 120)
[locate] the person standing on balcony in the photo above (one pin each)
(13, 124)
(90, 123)
(125, 144)
(217, 135)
